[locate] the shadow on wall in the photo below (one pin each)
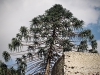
(58, 68)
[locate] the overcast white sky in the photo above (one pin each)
(17, 13)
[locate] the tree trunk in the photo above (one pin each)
(50, 54)
(47, 67)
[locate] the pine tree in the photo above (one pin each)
(48, 36)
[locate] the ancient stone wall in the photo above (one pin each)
(77, 63)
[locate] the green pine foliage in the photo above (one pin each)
(48, 36)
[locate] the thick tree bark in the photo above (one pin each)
(50, 54)
(47, 67)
